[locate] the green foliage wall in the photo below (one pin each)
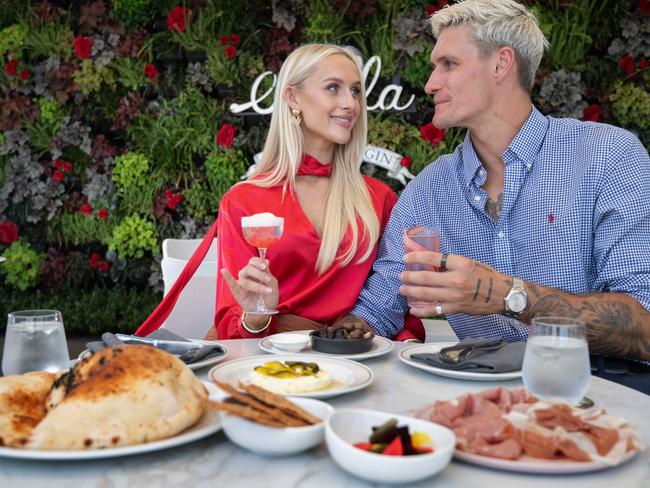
(116, 130)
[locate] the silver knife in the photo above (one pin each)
(172, 347)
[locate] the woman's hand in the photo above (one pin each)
(254, 278)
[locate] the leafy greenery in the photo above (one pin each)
(132, 12)
(223, 169)
(87, 310)
(631, 105)
(12, 39)
(130, 169)
(76, 229)
(173, 137)
(133, 237)
(22, 267)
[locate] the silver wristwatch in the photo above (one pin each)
(516, 299)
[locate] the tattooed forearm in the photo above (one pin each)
(616, 323)
(478, 286)
(493, 208)
(489, 292)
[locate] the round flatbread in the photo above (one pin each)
(120, 396)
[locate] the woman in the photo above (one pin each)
(309, 175)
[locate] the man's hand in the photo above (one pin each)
(466, 286)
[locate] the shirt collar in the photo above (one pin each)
(528, 142)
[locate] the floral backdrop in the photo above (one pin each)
(116, 129)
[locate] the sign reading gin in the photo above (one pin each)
(375, 155)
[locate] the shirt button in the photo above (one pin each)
(477, 198)
(501, 234)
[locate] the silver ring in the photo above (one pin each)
(439, 309)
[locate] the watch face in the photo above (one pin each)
(517, 302)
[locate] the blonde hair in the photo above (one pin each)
(348, 203)
(497, 23)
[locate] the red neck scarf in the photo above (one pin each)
(311, 166)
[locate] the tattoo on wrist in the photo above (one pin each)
(478, 286)
(489, 292)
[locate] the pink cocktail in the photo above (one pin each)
(421, 238)
(262, 231)
(262, 237)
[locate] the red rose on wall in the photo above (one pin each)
(151, 72)
(102, 213)
(406, 162)
(11, 67)
(8, 232)
(627, 64)
(177, 19)
(94, 260)
(431, 133)
(173, 199)
(24, 74)
(83, 46)
(67, 166)
(235, 39)
(644, 6)
(230, 51)
(86, 209)
(592, 113)
(226, 135)
(58, 175)
(103, 266)
(223, 40)
(644, 63)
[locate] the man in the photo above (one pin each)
(538, 216)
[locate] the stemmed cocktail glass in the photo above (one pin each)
(262, 231)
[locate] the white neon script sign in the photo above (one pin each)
(374, 61)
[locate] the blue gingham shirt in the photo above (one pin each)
(575, 216)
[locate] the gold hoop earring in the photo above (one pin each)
(295, 113)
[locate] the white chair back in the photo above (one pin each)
(193, 314)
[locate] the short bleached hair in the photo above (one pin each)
(496, 23)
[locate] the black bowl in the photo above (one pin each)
(340, 346)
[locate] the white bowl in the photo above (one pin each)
(348, 426)
(278, 441)
(287, 341)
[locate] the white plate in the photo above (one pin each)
(405, 356)
(208, 425)
(380, 346)
(346, 375)
(527, 464)
(197, 365)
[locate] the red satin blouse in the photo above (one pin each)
(292, 260)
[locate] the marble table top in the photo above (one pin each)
(398, 388)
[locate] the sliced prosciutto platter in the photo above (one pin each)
(514, 431)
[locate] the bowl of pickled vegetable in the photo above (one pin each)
(387, 448)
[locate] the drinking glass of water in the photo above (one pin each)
(556, 361)
(35, 341)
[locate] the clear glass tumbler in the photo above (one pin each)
(556, 361)
(35, 341)
(421, 238)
